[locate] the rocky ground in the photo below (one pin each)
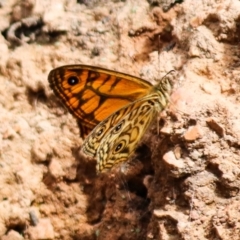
(182, 182)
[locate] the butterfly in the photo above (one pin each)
(113, 109)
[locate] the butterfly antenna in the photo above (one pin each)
(171, 71)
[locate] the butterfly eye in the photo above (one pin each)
(73, 81)
(119, 147)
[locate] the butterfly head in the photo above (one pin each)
(166, 83)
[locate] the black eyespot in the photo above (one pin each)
(118, 147)
(100, 131)
(118, 127)
(73, 81)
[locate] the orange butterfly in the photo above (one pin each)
(92, 93)
(116, 107)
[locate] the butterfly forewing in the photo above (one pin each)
(91, 94)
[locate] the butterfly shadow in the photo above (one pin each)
(118, 196)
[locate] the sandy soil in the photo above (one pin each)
(182, 183)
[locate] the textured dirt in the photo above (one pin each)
(182, 183)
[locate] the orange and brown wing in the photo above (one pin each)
(92, 93)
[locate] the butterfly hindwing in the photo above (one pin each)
(120, 142)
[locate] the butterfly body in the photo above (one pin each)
(116, 108)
